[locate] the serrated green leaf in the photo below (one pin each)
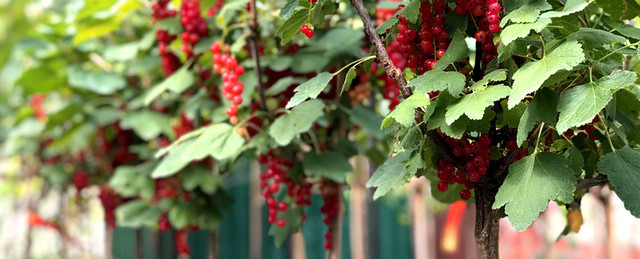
(288, 8)
(533, 74)
(99, 82)
(474, 104)
(282, 84)
(310, 89)
(411, 11)
(351, 74)
(133, 181)
(368, 120)
(571, 6)
(541, 109)
(511, 117)
(177, 82)
(582, 103)
(521, 30)
(298, 120)
(575, 159)
(404, 112)
(494, 76)
(392, 174)
(147, 124)
(33, 81)
(321, 9)
(532, 182)
(330, 165)
(455, 130)
(433, 80)
(527, 13)
(387, 25)
(623, 170)
(291, 26)
(137, 213)
(457, 51)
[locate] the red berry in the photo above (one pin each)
(305, 29)
(493, 18)
(494, 7)
(440, 53)
(465, 194)
(282, 206)
(480, 36)
(281, 222)
(442, 186)
(494, 27)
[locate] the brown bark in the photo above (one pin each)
(487, 219)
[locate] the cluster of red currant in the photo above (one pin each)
(228, 67)
(512, 145)
(270, 181)
(307, 31)
(361, 91)
(110, 201)
(475, 153)
(194, 25)
(330, 208)
(163, 222)
(170, 62)
(215, 8)
(182, 246)
(184, 126)
(166, 188)
(383, 14)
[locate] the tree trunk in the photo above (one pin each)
(487, 219)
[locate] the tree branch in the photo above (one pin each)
(590, 182)
(255, 55)
(398, 77)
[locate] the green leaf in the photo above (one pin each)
(623, 170)
(393, 173)
(411, 11)
(387, 25)
(99, 82)
(132, 181)
(298, 120)
(527, 13)
(571, 6)
(319, 11)
(202, 177)
(310, 89)
(434, 80)
(330, 165)
(457, 51)
(293, 217)
(368, 120)
(494, 76)
(351, 74)
(521, 30)
(177, 159)
(229, 11)
(288, 9)
(291, 26)
(55, 174)
(582, 103)
(620, 9)
(541, 109)
(511, 117)
(218, 140)
(93, 6)
(282, 84)
(533, 74)
(137, 213)
(404, 112)
(596, 37)
(455, 130)
(532, 182)
(122, 52)
(576, 161)
(474, 104)
(622, 28)
(177, 82)
(41, 79)
(147, 124)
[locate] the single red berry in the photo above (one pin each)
(493, 18)
(439, 55)
(480, 36)
(465, 194)
(494, 7)
(304, 29)
(281, 222)
(282, 206)
(442, 186)
(494, 27)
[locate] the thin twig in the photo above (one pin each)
(590, 182)
(253, 47)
